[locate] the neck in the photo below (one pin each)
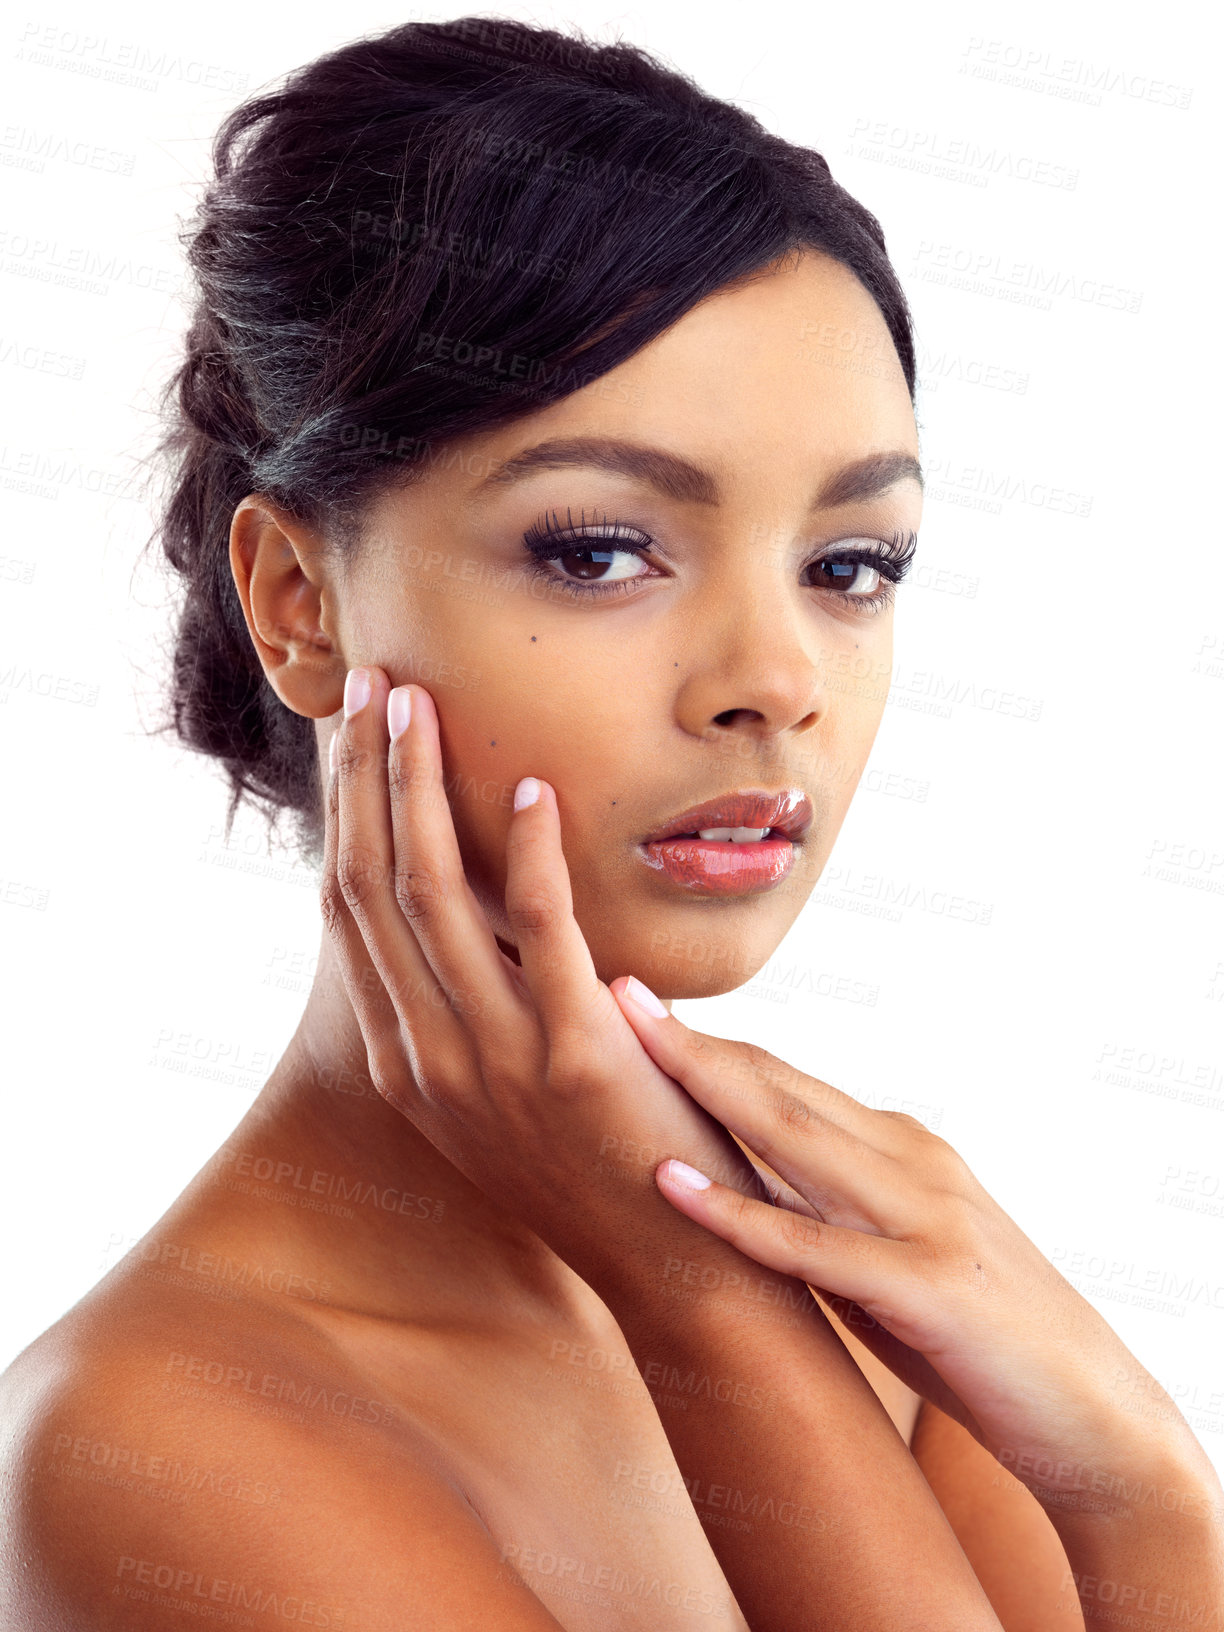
(422, 1238)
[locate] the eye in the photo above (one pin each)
(864, 573)
(591, 558)
(856, 578)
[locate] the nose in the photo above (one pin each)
(757, 673)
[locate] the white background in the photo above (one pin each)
(1028, 886)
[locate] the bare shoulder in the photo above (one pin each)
(167, 1464)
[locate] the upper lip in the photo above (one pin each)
(788, 812)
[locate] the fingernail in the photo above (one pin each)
(638, 992)
(333, 753)
(399, 709)
(356, 691)
(526, 793)
(682, 1173)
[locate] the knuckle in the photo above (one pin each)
(906, 1120)
(532, 912)
(332, 905)
(794, 1113)
(795, 1231)
(354, 762)
(948, 1164)
(941, 1160)
(765, 1069)
(359, 873)
(388, 1076)
(426, 1083)
(419, 892)
(434, 1090)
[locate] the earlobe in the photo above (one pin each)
(277, 566)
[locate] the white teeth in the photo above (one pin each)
(737, 835)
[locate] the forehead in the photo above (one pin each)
(793, 367)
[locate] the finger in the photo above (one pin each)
(873, 1271)
(797, 1124)
(365, 868)
(429, 889)
(371, 1002)
(569, 996)
(743, 1070)
(790, 1249)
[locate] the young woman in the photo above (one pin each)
(545, 467)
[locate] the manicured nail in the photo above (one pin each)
(526, 793)
(399, 709)
(682, 1173)
(333, 753)
(638, 992)
(356, 691)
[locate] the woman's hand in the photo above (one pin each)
(533, 1083)
(528, 1078)
(886, 1221)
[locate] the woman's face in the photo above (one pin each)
(704, 655)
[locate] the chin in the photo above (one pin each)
(687, 964)
(711, 983)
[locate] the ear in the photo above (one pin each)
(282, 573)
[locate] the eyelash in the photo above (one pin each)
(548, 539)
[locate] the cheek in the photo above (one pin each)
(857, 691)
(481, 759)
(858, 677)
(542, 716)
(492, 735)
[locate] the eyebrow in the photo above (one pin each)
(680, 479)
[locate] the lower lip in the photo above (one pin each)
(719, 866)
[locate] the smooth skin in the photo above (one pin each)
(526, 1074)
(868, 1206)
(874, 1209)
(340, 1371)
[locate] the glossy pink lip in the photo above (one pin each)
(720, 866)
(788, 813)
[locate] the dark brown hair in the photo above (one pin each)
(477, 190)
